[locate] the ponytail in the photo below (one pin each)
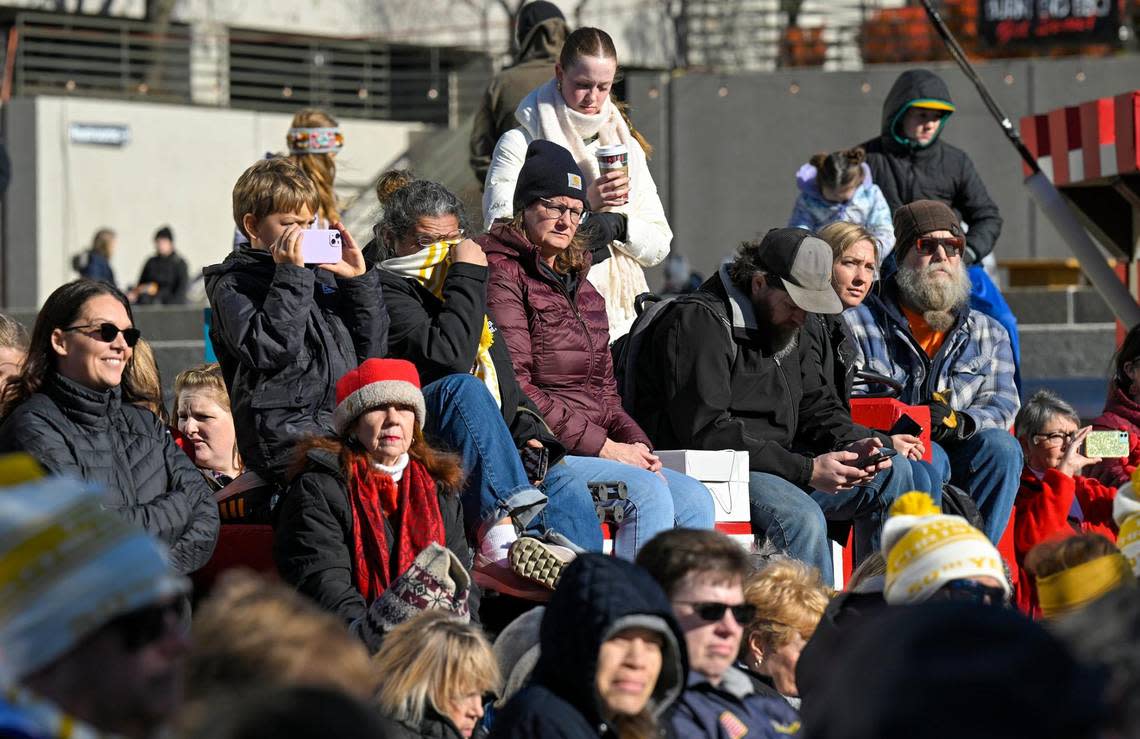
(839, 169)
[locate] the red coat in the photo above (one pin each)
(1041, 513)
(559, 342)
(1121, 413)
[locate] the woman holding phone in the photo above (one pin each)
(576, 110)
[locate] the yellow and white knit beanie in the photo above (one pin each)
(67, 567)
(1126, 513)
(925, 550)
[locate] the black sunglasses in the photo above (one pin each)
(108, 331)
(147, 625)
(713, 611)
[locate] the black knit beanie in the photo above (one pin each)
(548, 171)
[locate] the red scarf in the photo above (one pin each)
(411, 509)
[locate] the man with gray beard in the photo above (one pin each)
(919, 329)
(735, 365)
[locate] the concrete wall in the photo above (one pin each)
(729, 145)
(178, 169)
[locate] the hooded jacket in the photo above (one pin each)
(697, 388)
(867, 207)
(94, 436)
(906, 172)
(597, 597)
(974, 364)
(284, 335)
(558, 338)
(539, 45)
(441, 337)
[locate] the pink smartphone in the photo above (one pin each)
(321, 246)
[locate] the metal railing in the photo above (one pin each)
(361, 78)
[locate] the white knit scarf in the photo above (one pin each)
(561, 124)
(429, 268)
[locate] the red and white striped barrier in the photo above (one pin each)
(1090, 141)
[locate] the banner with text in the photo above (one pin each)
(1044, 22)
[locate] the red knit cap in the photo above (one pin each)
(375, 383)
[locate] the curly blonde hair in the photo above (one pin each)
(790, 599)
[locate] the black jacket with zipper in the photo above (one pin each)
(284, 335)
(94, 436)
(695, 390)
(441, 337)
(312, 540)
(938, 171)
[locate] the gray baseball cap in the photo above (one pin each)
(803, 262)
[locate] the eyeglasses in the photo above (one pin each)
(551, 209)
(714, 611)
(1054, 440)
(971, 591)
(108, 331)
(145, 626)
(952, 245)
(426, 240)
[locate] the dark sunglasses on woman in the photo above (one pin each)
(144, 626)
(106, 332)
(953, 245)
(971, 591)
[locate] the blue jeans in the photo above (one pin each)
(463, 416)
(654, 505)
(988, 467)
(795, 522)
(569, 509)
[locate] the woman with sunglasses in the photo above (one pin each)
(67, 410)
(554, 323)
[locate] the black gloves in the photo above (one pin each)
(601, 229)
(945, 423)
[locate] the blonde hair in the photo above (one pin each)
(253, 632)
(142, 385)
(789, 598)
(272, 186)
(841, 236)
(321, 168)
(206, 378)
(431, 660)
(102, 240)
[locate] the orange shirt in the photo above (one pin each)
(929, 339)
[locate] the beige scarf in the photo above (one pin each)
(568, 128)
(429, 268)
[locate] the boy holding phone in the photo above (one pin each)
(284, 332)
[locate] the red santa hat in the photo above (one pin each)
(376, 383)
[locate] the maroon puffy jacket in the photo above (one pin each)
(559, 342)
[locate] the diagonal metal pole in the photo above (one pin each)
(1045, 194)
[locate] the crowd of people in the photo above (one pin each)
(413, 450)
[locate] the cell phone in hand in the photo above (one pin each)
(1106, 444)
(536, 462)
(321, 246)
(874, 457)
(905, 425)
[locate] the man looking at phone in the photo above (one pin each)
(733, 366)
(919, 329)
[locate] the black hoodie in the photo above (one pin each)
(906, 172)
(597, 597)
(284, 335)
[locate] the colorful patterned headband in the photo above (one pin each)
(314, 140)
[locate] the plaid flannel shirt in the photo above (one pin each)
(974, 363)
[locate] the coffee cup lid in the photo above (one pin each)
(610, 150)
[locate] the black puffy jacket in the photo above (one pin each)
(938, 171)
(597, 597)
(73, 430)
(312, 543)
(284, 335)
